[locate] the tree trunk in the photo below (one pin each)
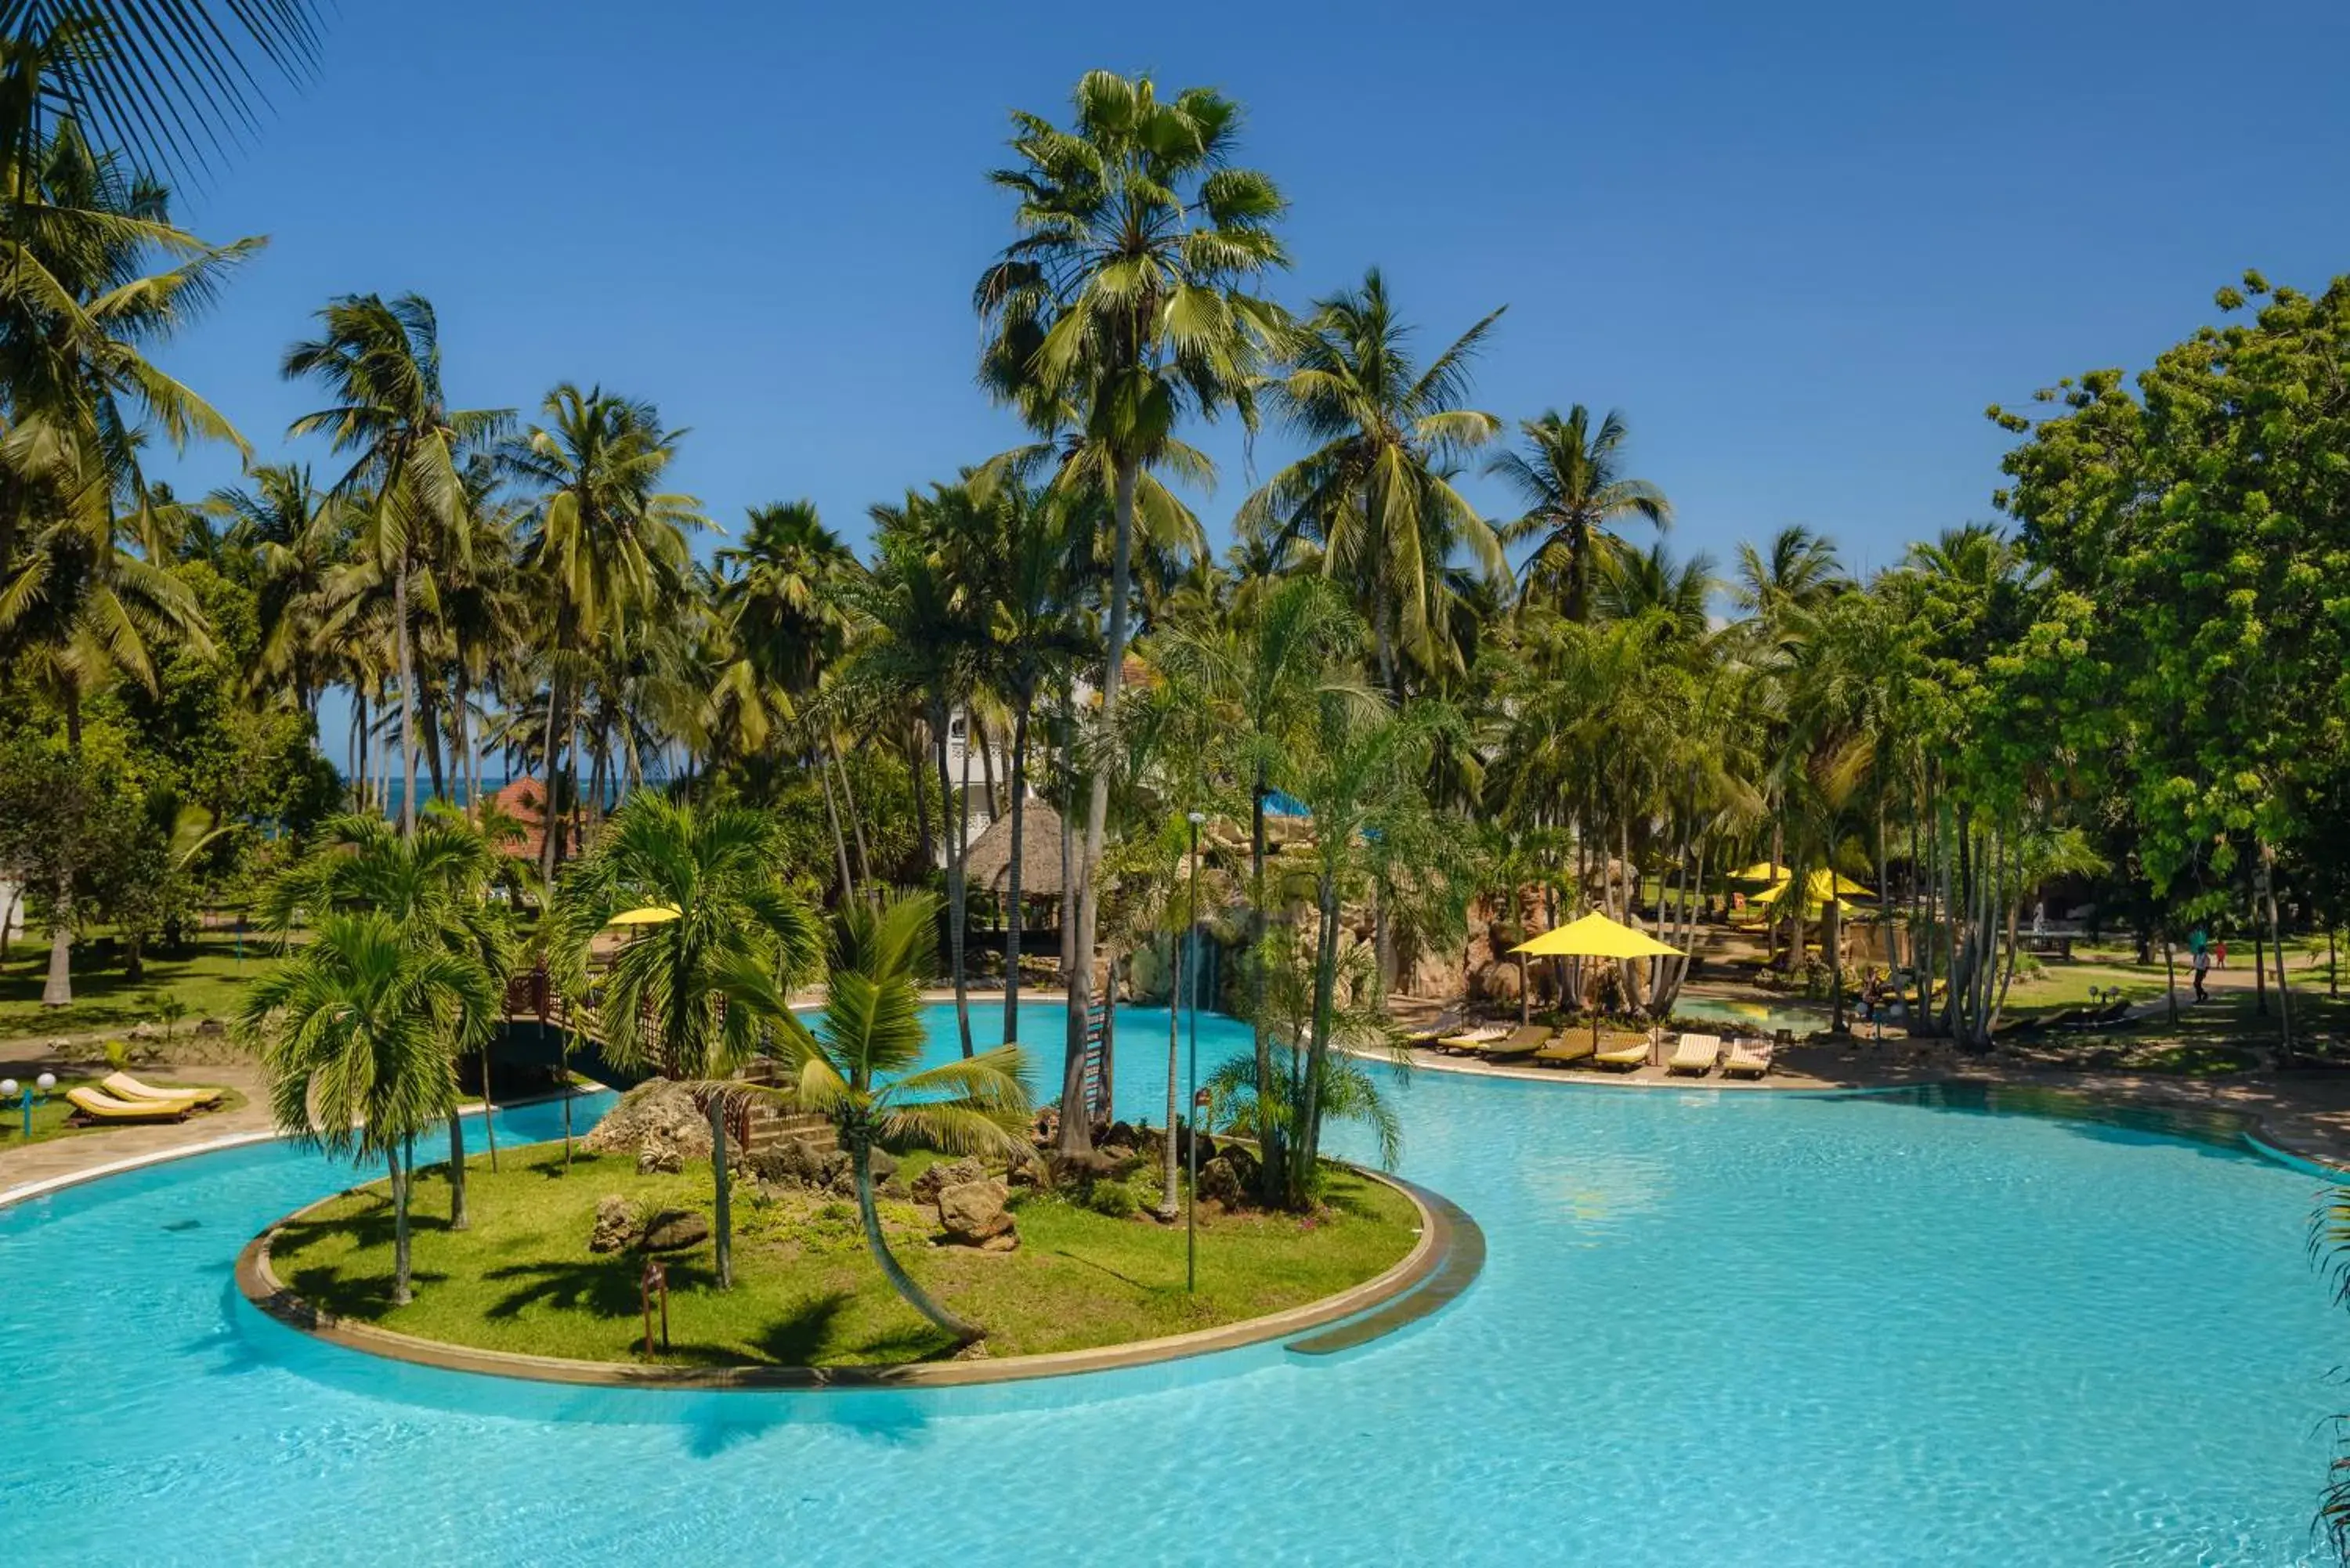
(974, 735)
(721, 1226)
(1831, 932)
(406, 654)
(1169, 1204)
(1012, 911)
(832, 817)
(1269, 1146)
(957, 809)
(2276, 940)
(489, 1108)
(1076, 1134)
(400, 1170)
(861, 1160)
(546, 817)
(2170, 976)
(56, 990)
(1317, 1049)
(848, 807)
(928, 846)
(458, 1218)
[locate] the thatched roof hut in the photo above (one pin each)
(989, 865)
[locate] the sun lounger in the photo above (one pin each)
(1521, 1043)
(1470, 1042)
(1747, 1056)
(2113, 1012)
(89, 1105)
(123, 1087)
(1569, 1048)
(1694, 1053)
(1628, 1052)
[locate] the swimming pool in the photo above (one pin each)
(1712, 1329)
(1752, 1015)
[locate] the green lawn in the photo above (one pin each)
(2225, 1034)
(49, 1117)
(209, 983)
(806, 1292)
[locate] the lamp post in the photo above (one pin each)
(28, 1096)
(1191, 1002)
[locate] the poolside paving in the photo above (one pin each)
(61, 1158)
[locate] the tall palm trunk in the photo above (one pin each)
(1270, 1175)
(56, 986)
(458, 1218)
(861, 1160)
(832, 818)
(405, 652)
(2276, 941)
(848, 807)
(548, 834)
(1011, 910)
(925, 846)
(1076, 1130)
(722, 1212)
(1169, 1204)
(954, 863)
(400, 1170)
(1307, 1148)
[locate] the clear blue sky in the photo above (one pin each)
(1801, 246)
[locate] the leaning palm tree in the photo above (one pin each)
(661, 1004)
(350, 1030)
(1571, 481)
(861, 1066)
(381, 362)
(1123, 305)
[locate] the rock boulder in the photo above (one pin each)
(973, 1213)
(938, 1177)
(673, 1230)
(615, 1225)
(1220, 1183)
(657, 1106)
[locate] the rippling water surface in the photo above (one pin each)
(1735, 1329)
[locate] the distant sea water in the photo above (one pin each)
(457, 793)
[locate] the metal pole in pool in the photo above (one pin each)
(1190, 933)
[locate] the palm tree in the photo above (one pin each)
(860, 1068)
(79, 607)
(351, 1029)
(381, 364)
(297, 538)
(1376, 493)
(606, 547)
(162, 78)
(1571, 481)
(1123, 304)
(661, 1004)
(1262, 677)
(435, 885)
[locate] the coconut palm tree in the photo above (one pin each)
(661, 1004)
(380, 361)
(1375, 494)
(1570, 478)
(1123, 306)
(605, 548)
(861, 1066)
(167, 80)
(351, 1029)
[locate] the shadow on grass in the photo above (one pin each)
(602, 1287)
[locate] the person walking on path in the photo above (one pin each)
(2202, 968)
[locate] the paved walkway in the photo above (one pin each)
(56, 1157)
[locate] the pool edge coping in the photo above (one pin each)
(257, 1283)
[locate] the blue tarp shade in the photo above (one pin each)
(1279, 803)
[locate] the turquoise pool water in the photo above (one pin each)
(1752, 1015)
(1712, 1330)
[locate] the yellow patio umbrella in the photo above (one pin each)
(651, 915)
(1595, 936)
(1763, 871)
(1817, 893)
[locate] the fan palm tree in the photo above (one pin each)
(605, 548)
(661, 1004)
(1123, 305)
(380, 361)
(1570, 478)
(861, 1066)
(1376, 493)
(351, 1029)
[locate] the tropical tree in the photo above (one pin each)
(1571, 480)
(861, 1066)
(662, 1002)
(1123, 306)
(351, 1029)
(435, 886)
(1374, 494)
(604, 549)
(380, 361)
